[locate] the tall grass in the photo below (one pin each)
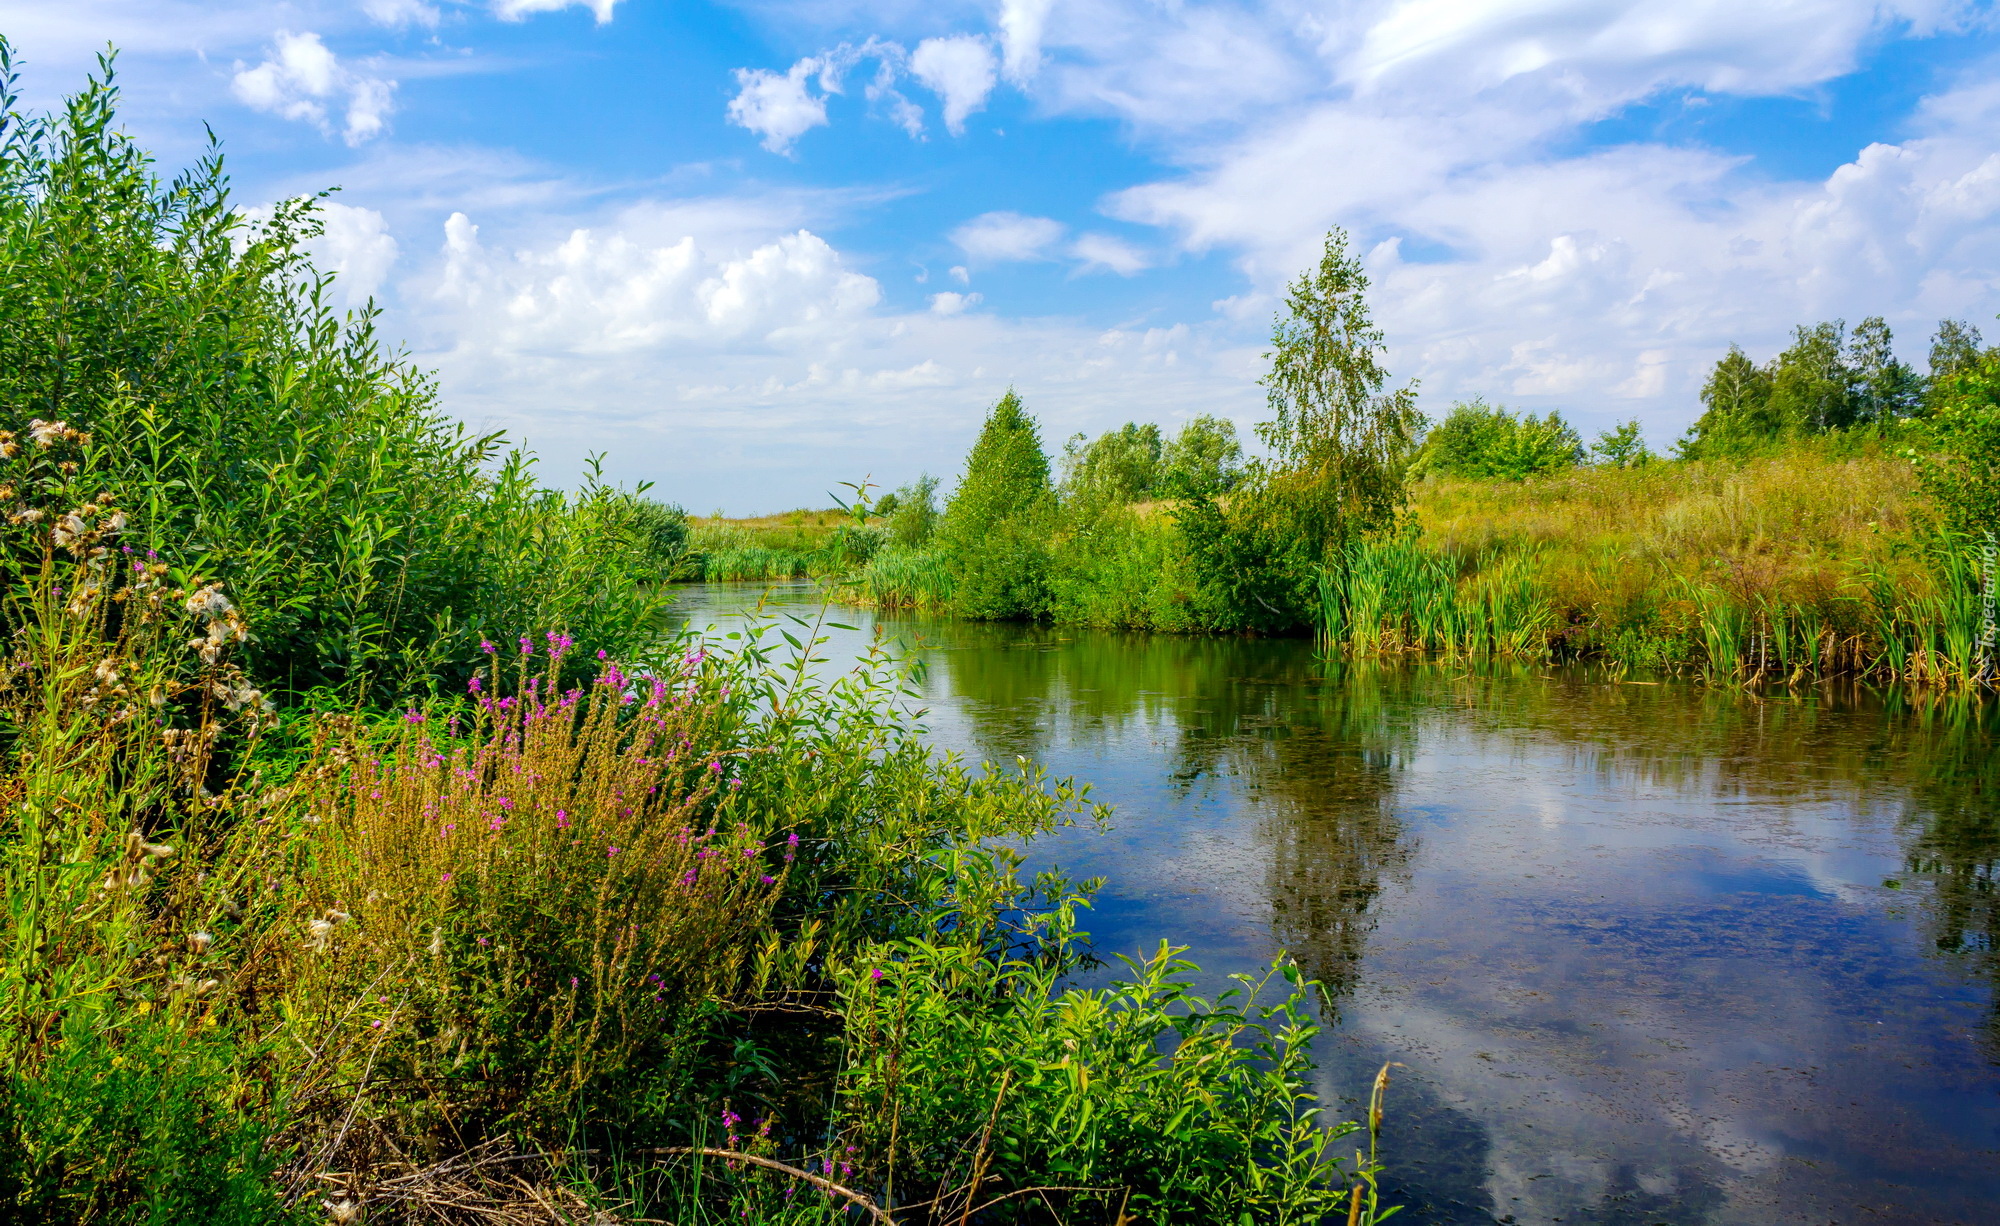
(900, 578)
(1400, 595)
(1809, 563)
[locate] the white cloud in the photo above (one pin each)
(521, 10)
(639, 285)
(952, 303)
(729, 351)
(1021, 23)
(303, 80)
(960, 70)
(356, 247)
(1003, 236)
(1104, 251)
(397, 14)
(882, 92)
(779, 108)
(1603, 53)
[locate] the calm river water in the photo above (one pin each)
(1650, 953)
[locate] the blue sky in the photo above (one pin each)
(748, 251)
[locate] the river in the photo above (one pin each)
(1648, 953)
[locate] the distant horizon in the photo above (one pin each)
(749, 251)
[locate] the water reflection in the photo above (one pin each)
(1651, 952)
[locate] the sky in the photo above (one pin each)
(750, 251)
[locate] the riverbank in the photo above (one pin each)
(1817, 559)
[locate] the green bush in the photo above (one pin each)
(1141, 1096)
(252, 432)
(1481, 440)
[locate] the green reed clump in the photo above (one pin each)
(1400, 595)
(898, 578)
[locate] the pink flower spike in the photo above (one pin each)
(876, 974)
(527, 646)
(486, 647)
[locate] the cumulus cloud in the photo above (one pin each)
(960, 70)
(1002, 236)
(356, 247)
(303, 80)
(676, 332)
(780, 107)
(638, 287)
(521, 10)
(952, 303)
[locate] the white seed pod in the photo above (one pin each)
(200, 941)
(318, 933)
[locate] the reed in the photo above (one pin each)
(900, 578)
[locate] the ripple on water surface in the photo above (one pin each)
(1650, 953)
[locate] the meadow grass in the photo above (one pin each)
(1814, 561)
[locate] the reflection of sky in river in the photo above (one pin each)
(1634, 944)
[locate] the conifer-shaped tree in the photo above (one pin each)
(994, 526)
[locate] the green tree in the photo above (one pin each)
(1813, 388)
(1959, 467)
(1204, 453)
(995, 526)
(1955, 346)
(912, 512)
(1339, 443)
(1737, 408)
(1623, 447)
(1884, 388)
(1120, 466)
